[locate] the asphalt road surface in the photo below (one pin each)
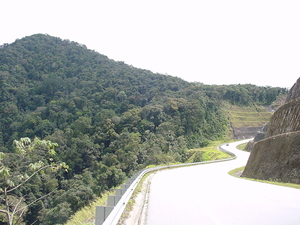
(207, 195)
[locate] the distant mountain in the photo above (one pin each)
(108, 118)
(276, 156)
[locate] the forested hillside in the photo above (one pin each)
(109, 119)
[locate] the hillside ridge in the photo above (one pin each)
(108, 118)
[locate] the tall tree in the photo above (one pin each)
(17, 169)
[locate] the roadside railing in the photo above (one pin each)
(111, 213)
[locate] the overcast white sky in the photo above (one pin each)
(209, 41)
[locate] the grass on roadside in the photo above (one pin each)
(236, 172)
(86, 215)
(242, 146)
(207, 153)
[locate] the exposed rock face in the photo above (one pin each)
(259, 136)
(285, 119)
(245, 132)
(294, 92)
(277, 156)
(249, 146)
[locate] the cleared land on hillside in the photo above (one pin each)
(255, 116)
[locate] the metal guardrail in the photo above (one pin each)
(110, 215)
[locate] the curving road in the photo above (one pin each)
(206, 194)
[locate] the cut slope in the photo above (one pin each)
(246, 121)
(277, 157)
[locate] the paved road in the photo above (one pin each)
(207, 195)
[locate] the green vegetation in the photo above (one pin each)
(242, 146)
(207, 153)
(238, 171)
(86, 215)
(109, 119)
(30, 164)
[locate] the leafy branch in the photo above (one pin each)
(11, 177)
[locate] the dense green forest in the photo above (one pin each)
(108, 119)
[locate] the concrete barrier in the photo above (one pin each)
(113, 200)
(102, 212)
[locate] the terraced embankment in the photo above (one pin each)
(245, 122)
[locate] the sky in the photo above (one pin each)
(208, 41)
